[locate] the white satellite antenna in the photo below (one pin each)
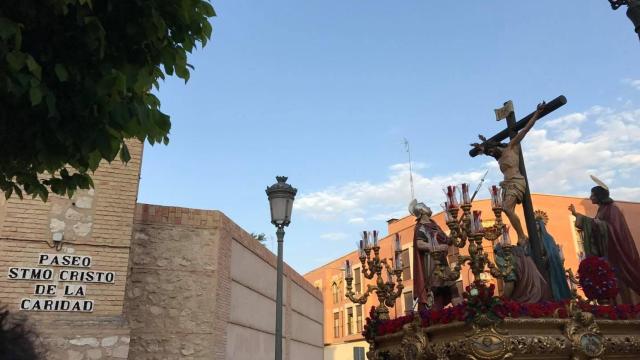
(408, 150)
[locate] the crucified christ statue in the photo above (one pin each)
(514, 184)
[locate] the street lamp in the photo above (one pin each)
(633, 11)
(281, 197)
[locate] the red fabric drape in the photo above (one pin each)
(421, 281)
(622, 251)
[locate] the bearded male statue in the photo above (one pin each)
(430, 290)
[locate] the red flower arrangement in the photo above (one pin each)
(597, 279)
(513, 309)
(393, 325)
(479, 299)
(507, 308)
(372, 323)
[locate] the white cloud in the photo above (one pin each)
(626, 193)
(607, 145)
(567, 120)
(559, 153)
(324, 205)
(365, 201)
(633, 83)
(405, 166)
(334, 236)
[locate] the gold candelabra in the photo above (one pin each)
(468, 228)
(372, 266)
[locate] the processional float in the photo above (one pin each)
(486, 326)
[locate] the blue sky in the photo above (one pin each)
(324, 92)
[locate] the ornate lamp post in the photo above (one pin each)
(633, 11)
(281, 197)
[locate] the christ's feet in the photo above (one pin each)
(523, 240)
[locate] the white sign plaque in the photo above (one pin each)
(62, 283)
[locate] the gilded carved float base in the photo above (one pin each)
(579, 337)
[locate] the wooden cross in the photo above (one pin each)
(511, 131)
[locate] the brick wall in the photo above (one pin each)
(179, 273)
(96, 223)
(172, 283)
(200, 287)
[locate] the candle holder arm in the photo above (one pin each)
(367, 266)
(362, 299)
(391, 294)
(457, 235)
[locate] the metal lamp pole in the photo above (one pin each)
(281, 196)
(280, 235)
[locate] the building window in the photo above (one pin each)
(350, 321)
(358, 353)
(334, 292)
(408, 301)
(406, 265)
(359, 318)
(356, 282)
(336, 324)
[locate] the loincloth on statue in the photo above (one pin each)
(515, 187)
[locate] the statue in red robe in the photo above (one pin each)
(607, 235)
(430, 291)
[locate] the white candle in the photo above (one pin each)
(465, 194)
(375, 237)
(477, 221)
(505, 235)
(447, 215)
(452, 196)
(496, 196)
(397, 243)
(365, 239)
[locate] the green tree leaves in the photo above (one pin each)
(16, 60)
(261, 237)
(61, 72)
(75, 81)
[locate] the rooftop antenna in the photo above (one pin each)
(408, 150)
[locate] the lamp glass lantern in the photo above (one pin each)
(281, 196)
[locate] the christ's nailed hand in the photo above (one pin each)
(541, 106)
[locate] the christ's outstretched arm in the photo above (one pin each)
(516, 140)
